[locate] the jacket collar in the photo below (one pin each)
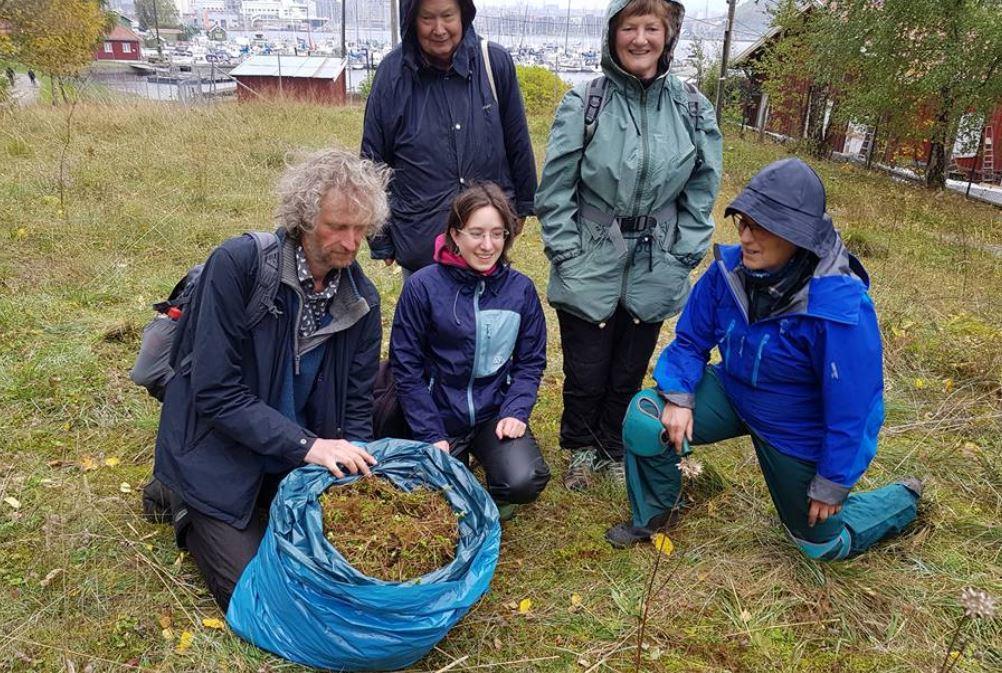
(834, 293)
(347, 307)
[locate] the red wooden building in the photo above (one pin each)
(121, 44)
(793, 120)
(316, 79)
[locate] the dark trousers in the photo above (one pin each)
(220, 550)
(514, 468)
(604, 367)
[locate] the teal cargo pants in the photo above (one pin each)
(653, 483)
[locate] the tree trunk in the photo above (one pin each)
(935, 170)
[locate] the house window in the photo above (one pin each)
(126, 48)
(108, 49)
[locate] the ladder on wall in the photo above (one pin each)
(988, 156)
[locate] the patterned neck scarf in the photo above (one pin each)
(317, 303)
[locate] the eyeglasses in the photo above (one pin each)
(497, 235)
(742, 222)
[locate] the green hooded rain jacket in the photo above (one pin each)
(649, 156)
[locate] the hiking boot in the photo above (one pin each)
(506, 511)
(612, 469)
(624, 535)
(578, 476)
(914, 484)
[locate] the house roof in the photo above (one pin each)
(769, 35)
(308, 67)
(122, 33)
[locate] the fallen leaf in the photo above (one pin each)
(497, 643)
(948, 385)
(524, 606)
(87, 464)
(112, 462)
(663, 544)
(919, 384)
(212, 623)
(50, 576)
(165, 621)
(13, 502)
(168, 635)
(124, 487)
(575, 600)
(184, 642)
(745, 616)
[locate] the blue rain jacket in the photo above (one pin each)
(808, 379)
(300, 598)
(441, 131)
(466, 348)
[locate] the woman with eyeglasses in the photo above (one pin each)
(800, 373)
(468, 349)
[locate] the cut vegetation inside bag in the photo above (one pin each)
(369, 574)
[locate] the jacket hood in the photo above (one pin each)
(835, 292)
(408, 13)
(611, 67)
(788, 198)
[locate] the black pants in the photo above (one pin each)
(515, 470)
(220, 550)
(604, 367)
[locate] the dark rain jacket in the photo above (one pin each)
(220, 428)
(466, 348)
(440, 131)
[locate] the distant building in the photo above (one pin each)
(316, 79)
(121, 44)
(217, 33)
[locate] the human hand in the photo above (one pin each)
(336, 453)
(678, 424)
(820, 511)
(511, 428)
(442, 444)
(388, 262)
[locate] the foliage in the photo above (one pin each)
(913, 67)
(365, 88)
(150, 12)
(57, 37)
(387, 533)
(542, 89)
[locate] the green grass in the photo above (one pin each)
(149, 189)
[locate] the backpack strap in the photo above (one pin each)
(693, 103)
(487, 66)
(269, 272)
(594, 102)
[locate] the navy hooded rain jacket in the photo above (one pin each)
(441, 131)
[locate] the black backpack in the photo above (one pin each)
(155, 364)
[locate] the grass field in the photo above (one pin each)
(98, 223)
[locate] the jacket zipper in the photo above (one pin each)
(758, 360)
(476, 351)
(638, 190)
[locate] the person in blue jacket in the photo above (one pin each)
(249, 403)
(468, 349)
(800, 372)
(444, 112)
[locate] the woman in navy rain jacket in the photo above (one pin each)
(800, 372)
(433, 117)
(468, 349)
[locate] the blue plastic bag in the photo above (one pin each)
(300, 599)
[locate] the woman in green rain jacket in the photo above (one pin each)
(632, 170)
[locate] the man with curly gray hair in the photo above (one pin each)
(258, 393)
